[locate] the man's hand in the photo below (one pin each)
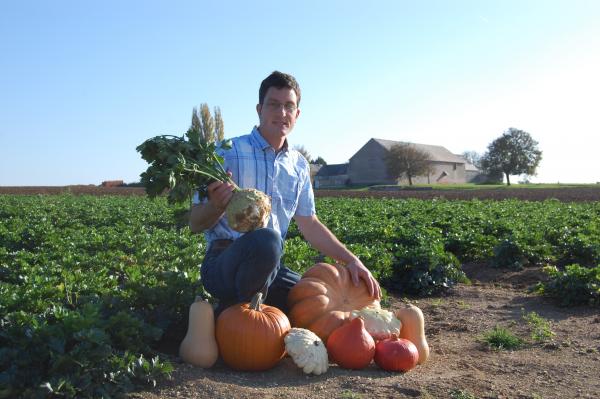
(205, 215)
(325, 242)
(219, 194)
(357, 271)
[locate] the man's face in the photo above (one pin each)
(278, 114)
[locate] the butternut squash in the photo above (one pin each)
(199, 346)
(413, 329)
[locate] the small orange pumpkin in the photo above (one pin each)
(251, 335)
(324, 298)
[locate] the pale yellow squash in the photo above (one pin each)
(413, 329)
(199, 346)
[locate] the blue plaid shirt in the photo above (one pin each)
(283, 176)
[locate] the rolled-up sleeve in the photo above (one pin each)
(306, 200)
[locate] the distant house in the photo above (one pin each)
(332, 176)
(113, 183)
(367, 166)
(474, 175)
(314, 169)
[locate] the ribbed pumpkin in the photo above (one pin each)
(324, 298)
(251, 335)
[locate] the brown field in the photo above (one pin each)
(566, 194)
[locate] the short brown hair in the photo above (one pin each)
(279, 80)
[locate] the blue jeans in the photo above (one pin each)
(250, 264)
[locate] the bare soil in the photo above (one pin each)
(565, 366)
(566, 194)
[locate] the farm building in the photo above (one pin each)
(113, 183)
(314, 169)
(332, 176)
(367, 166)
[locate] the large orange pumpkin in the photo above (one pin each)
(251, 335)
(324, 298)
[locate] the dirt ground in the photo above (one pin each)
(460, 364)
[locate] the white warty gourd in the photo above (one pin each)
(307, 351)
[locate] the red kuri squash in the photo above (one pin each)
(351, 346)
(396, 354)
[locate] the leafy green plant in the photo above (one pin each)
(501, 338)
(461, 394)
(575, 285)
(181, 166)
(347, 394)
(426, 270)
(540, 327)
(298, 255)
(581, 249)
(508, 254)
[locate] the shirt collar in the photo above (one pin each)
(259, 141)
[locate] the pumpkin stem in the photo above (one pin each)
(256, 301)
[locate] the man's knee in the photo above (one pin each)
(267, 244)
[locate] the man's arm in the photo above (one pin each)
(322, 239)
(205, 215)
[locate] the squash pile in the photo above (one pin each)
(332, 318)
(352, 324)
(324, 297)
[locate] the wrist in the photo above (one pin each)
(350, 259)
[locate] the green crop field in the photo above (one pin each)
(91, 288)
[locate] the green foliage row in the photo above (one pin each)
(419, 245)
(90, 286)
(573, 285)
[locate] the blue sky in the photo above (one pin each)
(83, 83)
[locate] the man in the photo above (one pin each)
(236, 266)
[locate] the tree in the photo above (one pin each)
(219, 125)
(319, 161)
(208, 124)
(513, 153)
(196, 124)
(209, 128)
(407, 160)
(304, 152)
(473, 157)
